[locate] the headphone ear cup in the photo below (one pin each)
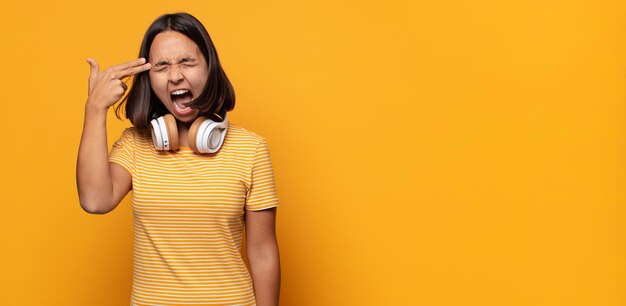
(172, 131)
(193, 133)
(157, 139)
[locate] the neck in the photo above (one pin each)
(183, 131)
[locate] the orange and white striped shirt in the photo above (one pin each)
(188, 217)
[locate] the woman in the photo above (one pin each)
(189, 207)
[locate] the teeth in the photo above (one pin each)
(180, 92)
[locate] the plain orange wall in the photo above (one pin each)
(426, 152)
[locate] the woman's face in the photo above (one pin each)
(179, 73)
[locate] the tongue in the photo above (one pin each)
(181, 99)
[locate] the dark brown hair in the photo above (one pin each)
(218, 96)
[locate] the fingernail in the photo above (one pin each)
(143, 60)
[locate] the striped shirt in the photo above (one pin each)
(188, 214)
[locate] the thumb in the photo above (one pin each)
(93, 72)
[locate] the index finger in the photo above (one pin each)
(134, 70)
(130, 64)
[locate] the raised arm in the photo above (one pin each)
(102, 185)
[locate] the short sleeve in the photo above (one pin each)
(262, 191)
(122, 152)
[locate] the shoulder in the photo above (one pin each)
(134, 135)
(241, 135)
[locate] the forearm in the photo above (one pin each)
(93, 178)
(265, 270)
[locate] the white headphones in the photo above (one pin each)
(205, 135)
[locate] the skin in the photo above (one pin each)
(102, 185)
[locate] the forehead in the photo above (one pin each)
(172, 45)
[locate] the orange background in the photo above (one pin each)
(426, 152)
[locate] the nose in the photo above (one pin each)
(175, 74)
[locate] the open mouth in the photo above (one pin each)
(180, 97)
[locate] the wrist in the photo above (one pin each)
(94, 108)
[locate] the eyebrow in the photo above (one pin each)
(182, 60)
